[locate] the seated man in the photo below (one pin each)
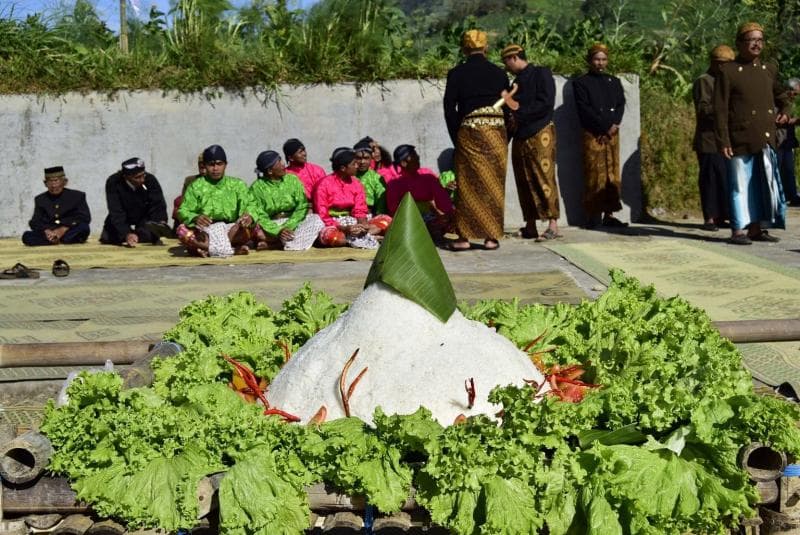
(280, 207)
(374, 184)
(432, 199)
(215, 210)
(341, 203)
(60, 215)
(137, 211)
(297, 163)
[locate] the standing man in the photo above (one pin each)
(787, 142)
(533, 151)
(478, 132)
(600, 101)
(713, 178)
(137, 211)
(746, 95)
(60, 215)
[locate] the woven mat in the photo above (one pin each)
(728, 284)
(93, 254)
(98, 312)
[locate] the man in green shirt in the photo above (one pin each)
(280, 207)
(216, 210)
(374, 184)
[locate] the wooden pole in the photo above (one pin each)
(71, 353)
(744, 331)
(123, 27)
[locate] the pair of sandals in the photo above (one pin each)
(547, 235)
(744, 239)
(458, 246)
(21, 271)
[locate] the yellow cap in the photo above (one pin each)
(749, 27)
(722, 53)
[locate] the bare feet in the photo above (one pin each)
(241, 250)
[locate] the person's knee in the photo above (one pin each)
(33, 238)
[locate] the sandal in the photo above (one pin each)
(19, 271)
(739, 239)
(525, 234)
(549, 234)
(458, 246)
(60, 268)
(765, 236)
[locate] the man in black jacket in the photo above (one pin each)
(137, 211)
(476, 123)
(60, 215)
(533, 152)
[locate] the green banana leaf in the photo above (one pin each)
(409, 263)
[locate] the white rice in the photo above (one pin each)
(414, 359)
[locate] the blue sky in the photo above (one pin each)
(108, 10)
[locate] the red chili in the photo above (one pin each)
(283, 414)
(249, 378)
(469, 386)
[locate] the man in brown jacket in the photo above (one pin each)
(747, 93)
(713, 176)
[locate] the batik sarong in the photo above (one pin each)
(480, 165)
(602, 184)
(304, 235)
(534, 161)
(332, 236)
(756, 192)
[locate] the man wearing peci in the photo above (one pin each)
(747, 93)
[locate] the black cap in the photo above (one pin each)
(342, 156)
(402, 152)
(291, 146)
(266, 160)
(54, 172)
(132, 166)
(366, 139)
(214, 153)
(362, 146)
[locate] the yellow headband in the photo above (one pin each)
(595, 48)
(474, 39)
(511, 50)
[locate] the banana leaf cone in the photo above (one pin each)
(408, 262)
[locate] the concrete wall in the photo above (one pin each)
(90, 134)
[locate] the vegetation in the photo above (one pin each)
(202, 44)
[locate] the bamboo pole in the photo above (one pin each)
(24, 458)
(744, 331)
(72, 353)
(123, 27)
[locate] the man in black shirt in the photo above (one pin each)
(60, 215)
(477, 128)
(600, 101)
(137, 211)
(533, 152)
